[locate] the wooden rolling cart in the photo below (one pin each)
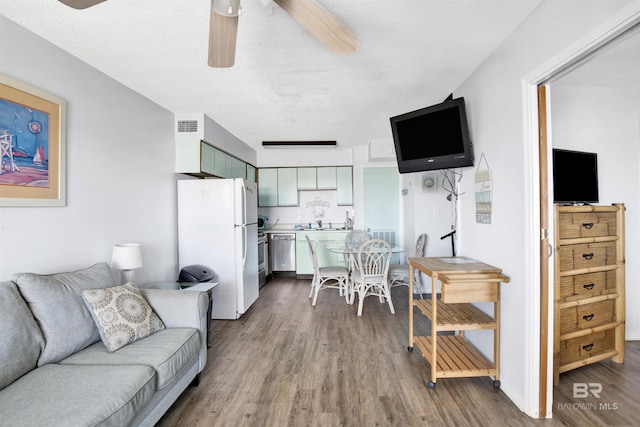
(463, 281)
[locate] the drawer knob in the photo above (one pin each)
(588, 286)
(587, 347)
(587, 225)
(587, 256)
(588, 317)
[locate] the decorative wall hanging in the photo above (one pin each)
(318, 206)
(32, 141)
(484, 189)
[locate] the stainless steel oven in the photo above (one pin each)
(262, 276)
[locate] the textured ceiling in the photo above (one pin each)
(284, 85)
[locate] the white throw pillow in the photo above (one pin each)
(121, 314)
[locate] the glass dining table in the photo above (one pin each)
(350, 254)
(350, 258)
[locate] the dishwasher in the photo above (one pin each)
(283, 252)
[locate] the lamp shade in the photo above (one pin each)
(127, 256)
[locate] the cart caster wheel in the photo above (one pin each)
(431, 384)
(410, 349)
(496, 384)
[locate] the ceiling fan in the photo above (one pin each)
(224, 26)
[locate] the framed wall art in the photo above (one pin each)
(32, 146)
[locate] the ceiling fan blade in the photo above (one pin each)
(80, 4)
(223, 32)
(323, 25)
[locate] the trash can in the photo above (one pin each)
(191, 275)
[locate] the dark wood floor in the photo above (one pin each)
(285, 363)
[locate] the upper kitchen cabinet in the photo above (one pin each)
(251, 173)
(287, 187)
(267, 187)
(307, 179)
(280, 186)
(199, 158)
(327, 178)
(236, 168)
(344, 176)
(277, 187)
(194, 157)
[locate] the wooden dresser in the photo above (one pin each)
(589, 286)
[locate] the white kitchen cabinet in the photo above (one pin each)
(287, 187)
(199, 158)
(268, 187)
(307, 179)
(208, 154)
(327, 179)
(344, 185)
(220, 163)
(251, 173)
(235, 168)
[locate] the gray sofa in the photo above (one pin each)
(56, 371)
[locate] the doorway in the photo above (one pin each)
(382, 204)
(564, 65)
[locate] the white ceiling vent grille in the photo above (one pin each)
(187, 126)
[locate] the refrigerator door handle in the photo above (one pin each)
(244, 245)
(244, 204)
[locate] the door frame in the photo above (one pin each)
(540, 389)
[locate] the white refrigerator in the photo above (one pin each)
(217, 228)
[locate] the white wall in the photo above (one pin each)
(606, 120)
(495, 99)
(120, 184)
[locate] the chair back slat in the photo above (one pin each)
(373, 259)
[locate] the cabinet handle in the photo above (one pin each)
(587, 256)
(587, 225)
(588, 286)
(587, 347)
(588, 317)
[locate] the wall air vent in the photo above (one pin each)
(187, 126)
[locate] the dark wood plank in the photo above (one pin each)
(286, 363)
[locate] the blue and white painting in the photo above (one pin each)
(24, 145)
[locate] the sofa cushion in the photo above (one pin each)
(20, 340)
(121, 314)
(168, 352)
(64, 395)
(56, 303)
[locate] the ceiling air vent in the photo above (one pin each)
(187, 126)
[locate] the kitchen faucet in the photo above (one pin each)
(319, 223)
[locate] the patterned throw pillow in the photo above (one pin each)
(122, 315)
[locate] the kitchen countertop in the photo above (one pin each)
(306, 230)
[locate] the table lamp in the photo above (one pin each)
(126, 257)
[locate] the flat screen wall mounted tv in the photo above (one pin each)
(434, 137)
(575, 177)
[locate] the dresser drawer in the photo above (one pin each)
(584, 347)
(587, 316)
(586, 224)
(587, 255)
(587, 285)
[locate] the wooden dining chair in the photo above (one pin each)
(399, 273)
(326, 277)
(371, 277)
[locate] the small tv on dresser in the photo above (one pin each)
(575, 177)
